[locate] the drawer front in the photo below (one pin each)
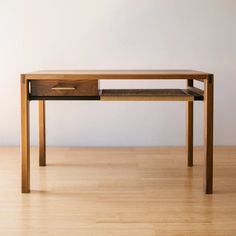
(64, 88)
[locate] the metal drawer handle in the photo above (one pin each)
(63, 88)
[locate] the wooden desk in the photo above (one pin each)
(84, 85)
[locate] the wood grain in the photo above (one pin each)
(189, 128)
(116, 74)
(42, 134)
(64, 88)
(208, 133)
(25, 137)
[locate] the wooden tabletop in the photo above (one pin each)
(117, 74)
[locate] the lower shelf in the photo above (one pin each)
(149, 95)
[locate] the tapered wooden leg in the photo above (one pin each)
(189, 135)
(208, 133)
(42, 136)
(189, 129)
(25, 136)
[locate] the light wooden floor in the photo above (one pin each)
(117, 192)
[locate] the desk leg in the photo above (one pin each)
(42, 138)
(189, 135)
(189, 129)
(208, 133)
(25, 136)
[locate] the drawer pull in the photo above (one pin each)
(63, 88)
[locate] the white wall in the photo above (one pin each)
(118, 34)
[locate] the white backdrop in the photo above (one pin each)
(118, 34)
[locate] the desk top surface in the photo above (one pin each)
(119, 74)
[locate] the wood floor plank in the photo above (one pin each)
(118, 191)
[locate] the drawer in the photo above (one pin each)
(64, 88)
